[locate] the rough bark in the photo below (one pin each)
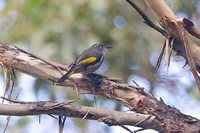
(133, 97)
(175, 28)
(110, 117)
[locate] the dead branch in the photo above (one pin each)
(131, 96)
(174, 27)
(146, 19)
(110, 117)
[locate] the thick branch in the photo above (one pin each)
(133, 97)
(113, 118)
(175, 27)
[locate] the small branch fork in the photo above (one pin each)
(53, 64)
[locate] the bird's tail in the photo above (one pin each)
(60, 80)
(66, 76)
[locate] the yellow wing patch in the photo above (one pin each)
(88, 60)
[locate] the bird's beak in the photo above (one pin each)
(108, 47)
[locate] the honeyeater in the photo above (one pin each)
(87, 62)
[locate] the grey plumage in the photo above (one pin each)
(96, 51)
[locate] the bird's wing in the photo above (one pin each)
(88, 60)
(88, 57)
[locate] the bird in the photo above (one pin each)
(87, 62)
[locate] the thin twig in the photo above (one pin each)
(14, 101)
(77, 91)
(139, 130)
(7, 122)
(135, 83)
(57, 105)
(161, 55)
(146, 19)
(12, 82)
(12, 78)
(55, 65)
(143, 120)
(167, 54)
(61, 122)
(39, 119)
(7, 78)
(86, 114)
(190, 60)
(127, 129)
(53, 116)
(170, 53)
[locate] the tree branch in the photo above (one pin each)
(110, 117)
(174, 27)
(146, 19)
(133, 97)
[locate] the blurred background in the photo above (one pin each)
(60, 30)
